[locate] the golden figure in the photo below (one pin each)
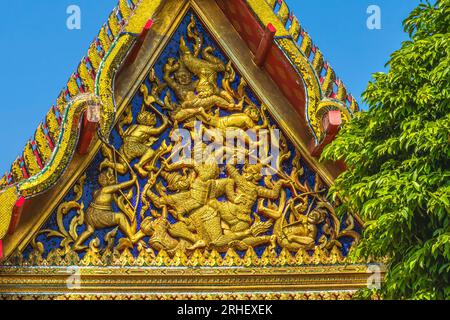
(178, 182)
(302, 233)
(160, 238)
(138, 140)
(247, 120)
(237, 211)
(203, 92)
(100, 214)
(166, 236)
(300, 230)
(181, 82)
(191, 203)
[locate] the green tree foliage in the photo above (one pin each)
(398, 158)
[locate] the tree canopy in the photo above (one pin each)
(398, 159)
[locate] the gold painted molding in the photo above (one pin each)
(209, 282)
(311, 295)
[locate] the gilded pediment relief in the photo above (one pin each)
(136, 205)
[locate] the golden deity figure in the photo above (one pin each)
(203, 92)
(100, 213)
(138, 140)
(237, 211)
(298, 231)
(247, 120)
(191, 207)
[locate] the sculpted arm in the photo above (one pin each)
(159, 130)
(121, 186)
(178, 166)
(169, 69)
(157, 201)
(215, 63)
(232, 172)
(266, 122)
(271, 193)
(225, 186)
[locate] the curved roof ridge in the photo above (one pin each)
(39, 148)
(331, 85)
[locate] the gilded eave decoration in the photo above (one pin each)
(325, 91)
(33, 175)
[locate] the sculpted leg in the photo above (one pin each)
(119, 167)
(138, 236)
(118, 163)
(145, 159)
(187, 112)
(124, 225)
(180, 230)
(231, 237)
(257, 241)
(78, 245)
(303, 242)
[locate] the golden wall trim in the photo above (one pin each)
(182, 281)
(311, 295)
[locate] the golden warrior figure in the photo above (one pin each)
(293, 229)
(204, 187)
(237, 211)
(201, 215)
(138, 140)
(100, 214)
(301, 233)
(247, 120)
(159, 232)
(203, 92)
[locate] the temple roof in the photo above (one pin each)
(38, 150)
(102, 157)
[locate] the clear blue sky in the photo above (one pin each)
(38, 53)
